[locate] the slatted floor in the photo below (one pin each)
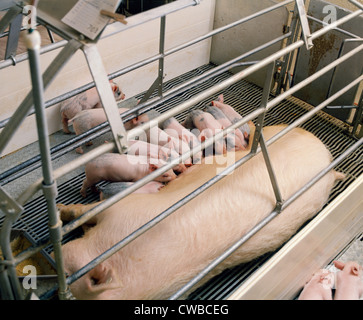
(244, 97)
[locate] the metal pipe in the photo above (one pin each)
(9, 258)
(49, 185)
(349, 34)
(262, 223)
(24, 56)
(356, 3)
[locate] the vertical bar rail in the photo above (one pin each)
(107, 98)
(258, 136)
(158, 83)
(49, 185)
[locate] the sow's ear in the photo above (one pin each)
(102, 278)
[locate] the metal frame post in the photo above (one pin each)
(49, 184)
(13, 37)
(107, 98)
(304, 24)
(158, 83)
(263, 105)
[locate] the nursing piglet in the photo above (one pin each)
(232, 115)
(154, 152)
(177, 130)
(207, 126)
(163, 259)
(236, 139)
(88, 119)
(121, 167)
(84, 101)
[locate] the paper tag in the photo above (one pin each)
(85, 16)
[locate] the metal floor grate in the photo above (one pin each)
(244, 97)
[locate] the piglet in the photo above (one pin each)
(156, 135)
(207, 127)
(121, 167)
(177, 130)
(84, 101)
(90, 118)
(115, 187)
(154, 152)
(232, 115)
(319, 287)
(349, 282)
(236, 139)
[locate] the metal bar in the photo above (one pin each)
(264, 101)
(107, 98)
(161, 51)
(304, 24)
(24, 56)
(10, 270)
(49, 186)
(158, 83)
(10, 15)
(262, 223)
(335, 24)
(275, 186)
(5, 287)
(22, 111)
(288, 59)
(13, 37)
(358, 116)
(356, 3)
(349, 34)
(150, 91)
